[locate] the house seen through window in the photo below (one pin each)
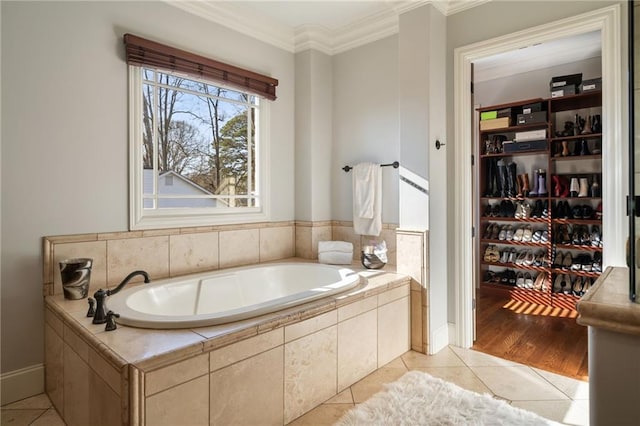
(201, 139)
(196, 147)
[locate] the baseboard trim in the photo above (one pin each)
(19, 384)
(440, 339)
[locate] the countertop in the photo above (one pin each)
(607, 305)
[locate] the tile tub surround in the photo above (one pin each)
(466, 368)
(413, 260)
(292, 360)
(167, 252)
(309, 233)
(173, 252)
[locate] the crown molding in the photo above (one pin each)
(314, 37)
(230, 16)
(455, 6)
(404, 6)
(359, 32)
(365, 30)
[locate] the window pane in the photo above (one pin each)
(225, 93)
(202, 139)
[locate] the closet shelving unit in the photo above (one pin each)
(558, 110)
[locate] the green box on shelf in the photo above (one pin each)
(488, 115)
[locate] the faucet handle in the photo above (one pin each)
(91, 312)
(111, 323)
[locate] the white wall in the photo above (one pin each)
(313, 118)
(64, 133)
(422, 122)
(365, 122)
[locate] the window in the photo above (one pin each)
(198, 145)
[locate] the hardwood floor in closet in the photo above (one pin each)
(539, 336)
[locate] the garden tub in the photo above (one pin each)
(229, 295)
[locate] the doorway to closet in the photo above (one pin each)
(529, 278)
(523, 330)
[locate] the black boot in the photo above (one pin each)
(577, 147)
(512, 185)
(584, 147)
(490, 178)
(502, 178)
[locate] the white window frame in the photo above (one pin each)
(140, 218)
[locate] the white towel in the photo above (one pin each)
(335, 258)
(367, 199)
(335, 252)
(337, 246)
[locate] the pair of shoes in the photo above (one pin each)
(582, 262)
(563, 236)
(562, 284)
(523, 210)
(540, 283)
(506, 233)
(491, 277)
(564, 261)
(524, 280)
(539, 259)
(528, 280)
(523, 234)
(492, 232)
(492, 210)
(562, 210)
(597, 262)
(491, 254)
(582, 211)
(525, 258)
(581, 235)
(508, 277)
(508, 256)
(507, 208)
(580, 286)
(537, 209)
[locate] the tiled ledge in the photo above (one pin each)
(150, 349)
(607, 304)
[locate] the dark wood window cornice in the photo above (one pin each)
(143, 52)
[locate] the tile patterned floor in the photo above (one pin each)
(562, 399)
(555, 397)
(36, 411)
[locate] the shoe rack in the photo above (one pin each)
(540, 208)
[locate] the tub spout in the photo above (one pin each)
(127, 279)
(100, 316)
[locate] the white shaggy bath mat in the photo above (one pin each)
(420, 399)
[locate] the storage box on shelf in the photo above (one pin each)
(540, 225)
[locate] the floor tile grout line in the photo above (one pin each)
(41, 414)
(552, 384)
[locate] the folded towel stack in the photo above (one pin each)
(335, 252)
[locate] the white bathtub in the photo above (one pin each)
(228, 295)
